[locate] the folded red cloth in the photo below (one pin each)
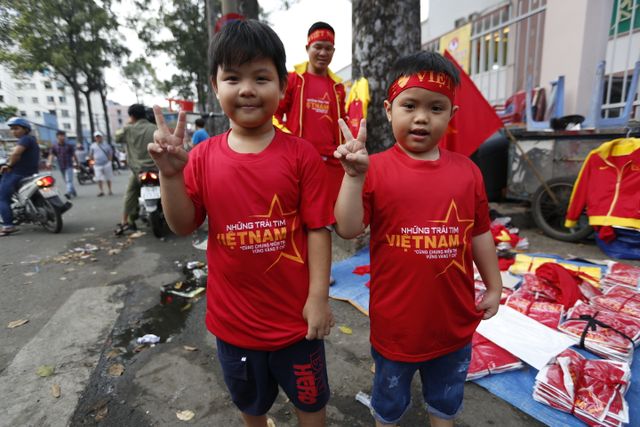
(564, 280)
(361, 270)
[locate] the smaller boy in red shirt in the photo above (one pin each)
(269, 251)
(429, 221)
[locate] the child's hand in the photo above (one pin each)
(166, 149)
(319, 318)
(489, 304)
(353, 153)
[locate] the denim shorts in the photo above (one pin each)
(253, 376)
(442, 379)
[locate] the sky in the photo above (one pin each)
(291, 25)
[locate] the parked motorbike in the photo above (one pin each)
(38, 201)
(85, 172)
(150, 203)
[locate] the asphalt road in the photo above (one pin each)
(88, 295)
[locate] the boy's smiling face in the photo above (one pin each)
(249, 93)
(419, 119)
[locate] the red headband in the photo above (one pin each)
(430, 80)
(321, 35)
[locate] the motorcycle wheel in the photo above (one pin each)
(81, 178)
(157, 223)
(549, 216)
(48, 215)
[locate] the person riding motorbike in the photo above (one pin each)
(22, 162)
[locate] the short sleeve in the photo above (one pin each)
(193, 177)
(315, 205)
(482, 222)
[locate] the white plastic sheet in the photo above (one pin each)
(525, 338)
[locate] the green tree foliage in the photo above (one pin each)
(60, 35)
(7, 112)
(178, 29)
(141, 77)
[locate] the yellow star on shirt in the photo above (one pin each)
(449, 221)
(296, 257)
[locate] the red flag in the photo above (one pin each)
(475, 120)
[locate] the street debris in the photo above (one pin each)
(55, 390)
(101, 413)
(364, 398)
(115, 352)
(186, 290)
(116, 370)
(345, 330)
(189, 348)
(148, 339)
(270, 422)
(185, 415)
(45, 371)
(17, 323)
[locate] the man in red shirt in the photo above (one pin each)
(314, 101)
(429, 221)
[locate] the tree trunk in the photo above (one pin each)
(105, 109)
(383, 31)
(247, 8)
(76, 98)
(216, 122)
(87, 96)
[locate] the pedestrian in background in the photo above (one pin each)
(65, 154)
(22, 162)
(102, 155)
(136, 136)
(314, 101)
(200, 134)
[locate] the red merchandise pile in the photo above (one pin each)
(547, 313)
(621, 274)
(592, 390)
(603, 332)
(620, 299)
(488, 358)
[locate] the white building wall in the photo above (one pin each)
(444, 13)
(41, 93)
(575, 40)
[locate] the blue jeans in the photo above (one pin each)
(8, 185)
(442, 385)
(67, 175)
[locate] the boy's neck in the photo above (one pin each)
(250, 141)
(431, 155)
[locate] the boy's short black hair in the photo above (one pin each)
(424, 61)
(320, 26)
(200, 123)
(137, 111)
(245, 40)
(60, 132)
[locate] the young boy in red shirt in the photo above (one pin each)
(314, 101)
(269, 252)
(429, 221)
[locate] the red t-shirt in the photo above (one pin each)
(260, 207)
(319, 107)
(423, 215)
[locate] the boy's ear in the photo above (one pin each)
(454, 109)
(387, 109)
(283, 89)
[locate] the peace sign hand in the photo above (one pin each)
(353, 153)
(166, 150)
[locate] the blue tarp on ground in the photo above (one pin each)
(515, 387)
